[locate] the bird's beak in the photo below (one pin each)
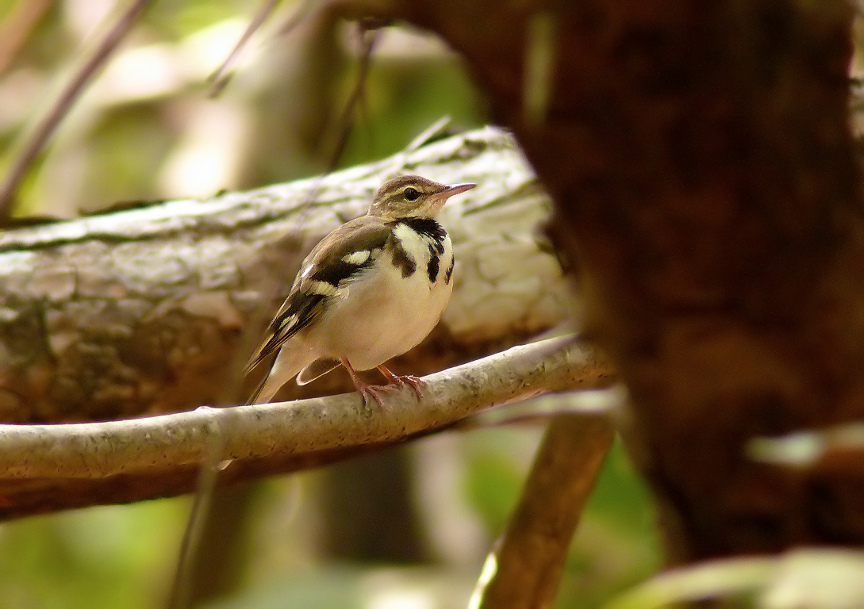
(437, 200)
(456, 189)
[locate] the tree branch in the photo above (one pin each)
(71, 92)
(137, 311)
(525, 569)
(50, 467)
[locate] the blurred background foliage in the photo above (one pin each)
(147, 130)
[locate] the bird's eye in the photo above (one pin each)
(412, 194)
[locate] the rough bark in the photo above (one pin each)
(701, 163)
(138, 311)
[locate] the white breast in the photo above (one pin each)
(381, 313)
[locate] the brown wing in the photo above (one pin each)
(336, 258)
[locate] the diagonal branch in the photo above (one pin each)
(525, 569)
(51, 467)
(71, 92)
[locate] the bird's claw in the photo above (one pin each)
(373, 391)
(394, 380)
(414, 382)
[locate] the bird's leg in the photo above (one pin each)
(412, 381)
(365, 389)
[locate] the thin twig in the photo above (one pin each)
(187, 559)
(345, 122)
(370, 39)
(181, 595)
(436, 130)
(219, 80)
(46, 126)
(599, 402)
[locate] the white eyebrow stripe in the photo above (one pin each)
(357, 258)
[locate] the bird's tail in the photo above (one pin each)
(255, 398)
(317, 369)
(288, 363)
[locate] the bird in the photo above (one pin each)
(367, 292)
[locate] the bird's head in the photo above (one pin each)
(413, 197)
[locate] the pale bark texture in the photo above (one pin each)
(700, 159)
(46, 468)
(144, 310)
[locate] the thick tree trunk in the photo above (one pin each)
(138, 311)
(700, 159)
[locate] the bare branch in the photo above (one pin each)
(219, 79)
(369, 37)
(525, 569)
(60, 107)
(51, 467)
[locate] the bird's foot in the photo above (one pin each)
(414, 382)
(366, 390)
(375, 392)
